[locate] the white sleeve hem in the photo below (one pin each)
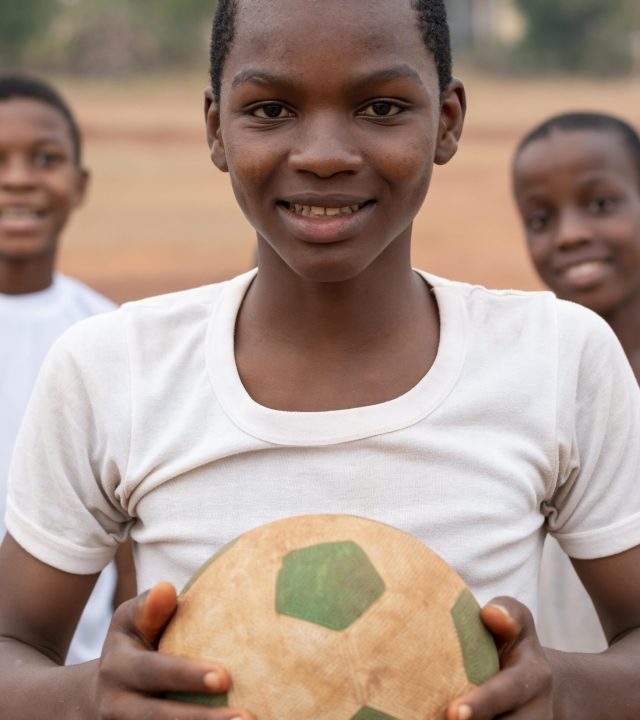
(53, 550)
(603, 542)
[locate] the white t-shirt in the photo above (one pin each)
(140, 425)
(567, 619)
(29, 324)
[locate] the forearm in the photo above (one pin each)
(33, 687)
(601, 686)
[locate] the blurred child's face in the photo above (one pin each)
(40, 182)
(578, 193)
(330, 121)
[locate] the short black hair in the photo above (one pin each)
(32, 88)
(576, 121)
(432, 22)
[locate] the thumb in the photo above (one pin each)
(154, 610)
(509, 621)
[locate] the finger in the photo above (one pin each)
(503, 620)
(505, 693)
(142, 670)
(130, 707)
(539, 709)
(154, 611)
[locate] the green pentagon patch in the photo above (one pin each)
(368, 713)
(478, 648)
(200, 699)
(330, 584)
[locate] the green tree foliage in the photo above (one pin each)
(21, 23)
(105, 37)
(180, 27)
(590, 36)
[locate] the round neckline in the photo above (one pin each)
(27, 301)
(330, 427)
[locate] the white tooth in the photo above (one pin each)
(306, 210)
(298, 209)
(19, 212)
(355, 208)
(332, 211)
(345, 211)
(583, 269)
(317, 211)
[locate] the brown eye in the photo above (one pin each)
(272, 111)
(538, 222)
(381, 109)
(601, 206)
(47, 159)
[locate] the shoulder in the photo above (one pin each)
(541, 308)
(148, 326)
(534, 329)
(77, 300)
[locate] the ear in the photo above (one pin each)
(83, 177)
(214, 133)
(452, 111)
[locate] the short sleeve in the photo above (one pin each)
(65, 503)
(594, 510)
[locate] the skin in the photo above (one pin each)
(578, 193)
(40, 186)
(318, 277)
(341, 293)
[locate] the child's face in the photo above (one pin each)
(578, 193)
(40, 182)
(330, 121)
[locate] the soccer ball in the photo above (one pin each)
(333, 617)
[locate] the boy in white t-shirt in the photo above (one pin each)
(576, 179)
(334, 378)
(42, 180)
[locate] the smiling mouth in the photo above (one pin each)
(20, 213)
(318, 211)
(584, 270)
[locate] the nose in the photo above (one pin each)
(16, 173)
(326, 147)
(573, 229)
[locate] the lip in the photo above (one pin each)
(27, 220)
(326, 229)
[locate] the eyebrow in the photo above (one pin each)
(262, 77)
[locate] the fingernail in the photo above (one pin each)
(501, 610)
(212, 679)
(464, 712)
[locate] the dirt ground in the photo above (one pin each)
(160, 217)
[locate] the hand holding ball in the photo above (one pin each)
(333, 617)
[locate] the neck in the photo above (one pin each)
(379, 302)
(22, 277)
(625, 323)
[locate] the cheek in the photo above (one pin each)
(252, 171)
(539, 250)
(407, 163)
(625, 234)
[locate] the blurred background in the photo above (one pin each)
(159, 217)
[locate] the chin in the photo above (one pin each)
(601, 300)
(328, 270)
(24, 249)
